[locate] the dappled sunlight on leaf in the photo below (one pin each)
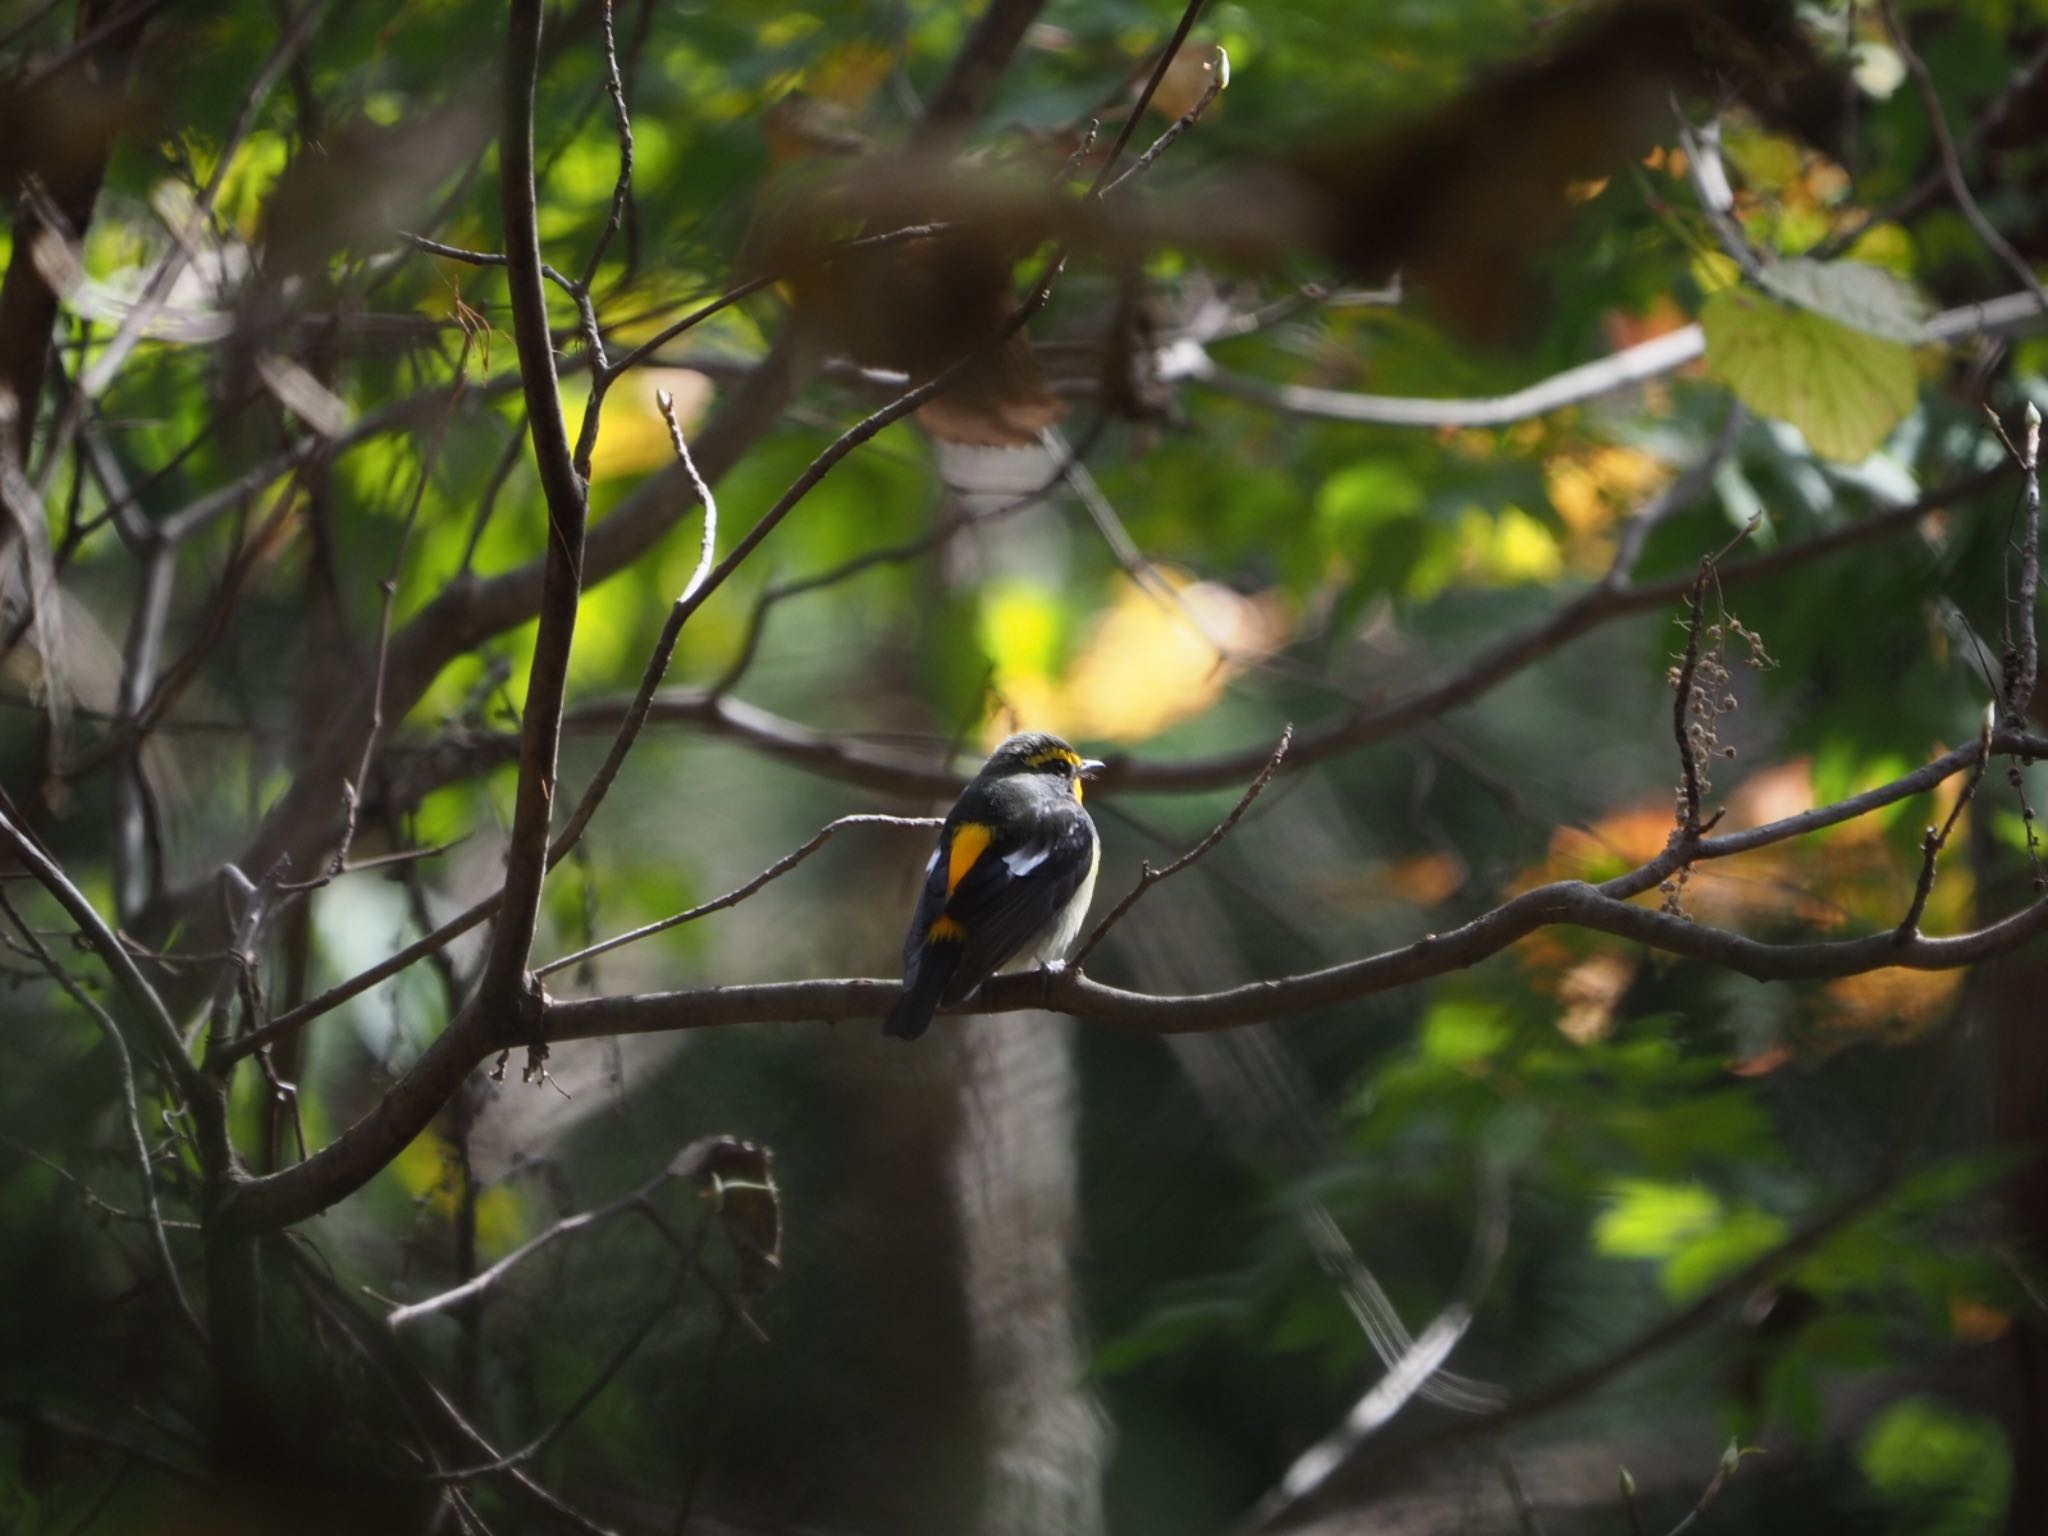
(429, 1172)
(1425, 879)
(1893, 1003)
(634, 439)
(1143, 664)
(1594, 488)
(1844, 879)
(1947, 1471)
(1590, 992)
(1645, 1219)
(1696, 1234)
(1843, 389)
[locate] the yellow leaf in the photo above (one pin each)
(633, 438)
(1147, 660)
(1844, 390)
(1151, 662)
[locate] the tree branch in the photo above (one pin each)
(738, 894)
(1149, 877)
(152, 1211)
(526, 858)
(1188, 359)
(976, 68)
(1566, 903)
(1952, 163)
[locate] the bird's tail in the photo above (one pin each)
(912, 1015)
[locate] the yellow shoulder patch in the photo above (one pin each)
(945, 931)
(970, 842)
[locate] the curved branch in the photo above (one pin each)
(1632, 365)
(1569, 903)
(1188, 359)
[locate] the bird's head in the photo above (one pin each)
(1038, 752)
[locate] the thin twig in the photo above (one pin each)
(1952, 163)
(689, 1163)
(1151, 89)
(1218, 70)
(1628, 1501)
(708, 547)
(1723, 1470)
(738, 894)
(162, 1034)
(615, 87)
(93, 381)
(145, 1174)
(1932, 841)
(1681, 700)
(606, 1374)
(352, 789)
(1408, 1373)
(1149, 877)
(2025, 660)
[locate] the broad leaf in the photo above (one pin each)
(1844, 389)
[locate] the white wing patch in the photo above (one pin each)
(932, 863)
(1026, 859)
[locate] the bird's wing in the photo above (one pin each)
(1009, 890)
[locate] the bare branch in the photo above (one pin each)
(157, 1026)
(980, 63)
(1632, 365)
(1149, 877)
(92, 383)
(738, 894)
(1645, 360)
(1952, 163)
(1723, 1470)
(615, 87)
(1406, 1376)
(1590, 1378)
(1218, 70)
(692, 1162)
(1934, 841)
(708, 549)
(1566, 903)
(145, 1174)
(1103, 184)
(2024, 656)
(526, 858)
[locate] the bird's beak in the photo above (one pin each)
(1092, 766)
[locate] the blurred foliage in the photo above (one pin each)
(1660, 1127)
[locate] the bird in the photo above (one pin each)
(1009, 882)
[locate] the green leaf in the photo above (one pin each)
(1458, 1033)
(1946, 1473)
(1651, 1220)
(1863, 297)
(1747, 1234)
(1843, 389)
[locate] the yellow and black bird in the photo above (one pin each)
(1009, 883)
